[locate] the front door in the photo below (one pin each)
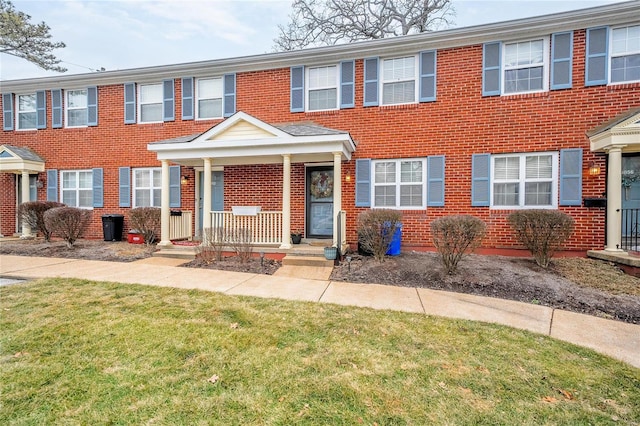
(319, 198)
(630, 195)
(33, 196)
(217, 196)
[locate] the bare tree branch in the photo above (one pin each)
(329, 22)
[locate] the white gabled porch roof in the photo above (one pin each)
(621, 131)
(15, 159)
(244, 139)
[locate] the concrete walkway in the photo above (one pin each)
(616, 339)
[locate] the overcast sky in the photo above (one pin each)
(116, 35)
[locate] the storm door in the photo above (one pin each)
(217, 196)
(631, 197)
(319, 199)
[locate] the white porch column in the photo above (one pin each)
(165, 211)
(614, 199)
(206, 200)
(337, 195)
(24, 188)
(286, 201)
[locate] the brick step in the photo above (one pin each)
(301, 260)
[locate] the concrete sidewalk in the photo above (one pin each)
(614, 338)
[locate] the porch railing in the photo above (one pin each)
(630, 238)
(180, 225)
(265, 227)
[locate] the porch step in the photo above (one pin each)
(177, 252)
(300, 260)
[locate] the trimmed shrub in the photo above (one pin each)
(69, 223)
(542, 232)
(376, 228)
(145, 220)
(241, 242)
(456, 235)
(32, 214)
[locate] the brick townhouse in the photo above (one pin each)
(541, 112)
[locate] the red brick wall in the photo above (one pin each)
(460, 123)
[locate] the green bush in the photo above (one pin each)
(542, 232)
(32, 214)
(69, 223)
(456, 235)
(145, 220)
(376, 229)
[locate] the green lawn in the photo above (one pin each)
(80, 352)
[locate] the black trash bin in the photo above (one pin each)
(112, 227)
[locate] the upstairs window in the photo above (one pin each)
(322, 88)
(76, 108)
(147, 187)
(525, 65)
(26, 111)
(625, 54)
(524, 180)
(150, 103)
(209, 92)
(399, 80)
(77, 188)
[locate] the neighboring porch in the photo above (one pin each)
(240, 143)
(25, 165)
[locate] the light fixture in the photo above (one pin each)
(594, 169)
(347, 178)
(184, 180)
(39, 184)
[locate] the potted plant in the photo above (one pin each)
(296, 237)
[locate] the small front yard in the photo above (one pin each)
(79, 352)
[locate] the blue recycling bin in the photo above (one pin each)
(394, 247)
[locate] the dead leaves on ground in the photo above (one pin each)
(566, 396)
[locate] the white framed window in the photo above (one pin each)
(525, 66)
(77, 188)
(399, 80)
(524, 180)
(209, 98)
(322, 88)
(26, 111)
(76, 108)
(150, 103)
(399, 183)
(625, 54)
(147, 187)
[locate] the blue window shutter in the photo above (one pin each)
(480, 179)
(561, 60)
(7, 111)
(168, 103)
(597, 56)
(187, 98)
(92, 106)
(56, 108)
(174, 186)
(428, 76)
(52, 185)
(435, 181)
(491, 60)
(363, 183)
(124, 187)
(129, 103)
(217, 191)
(41, 110)
(98, 188)
(347, 84)
(297, 89)
(229, 95)
(370, 82)
(571, 177)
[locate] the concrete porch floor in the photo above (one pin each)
(630, 264)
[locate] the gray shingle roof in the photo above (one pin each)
(307, 129)
(24, 153)
(180, 139)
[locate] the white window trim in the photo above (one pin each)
(546, 59)
(134, 188)
(139, 102)
(611, 56)
(76, 189)
(197, 98)
(307, 70)
(416, 80)
(555, 181)
(17, 109)
(66, 108)
(398, 183)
